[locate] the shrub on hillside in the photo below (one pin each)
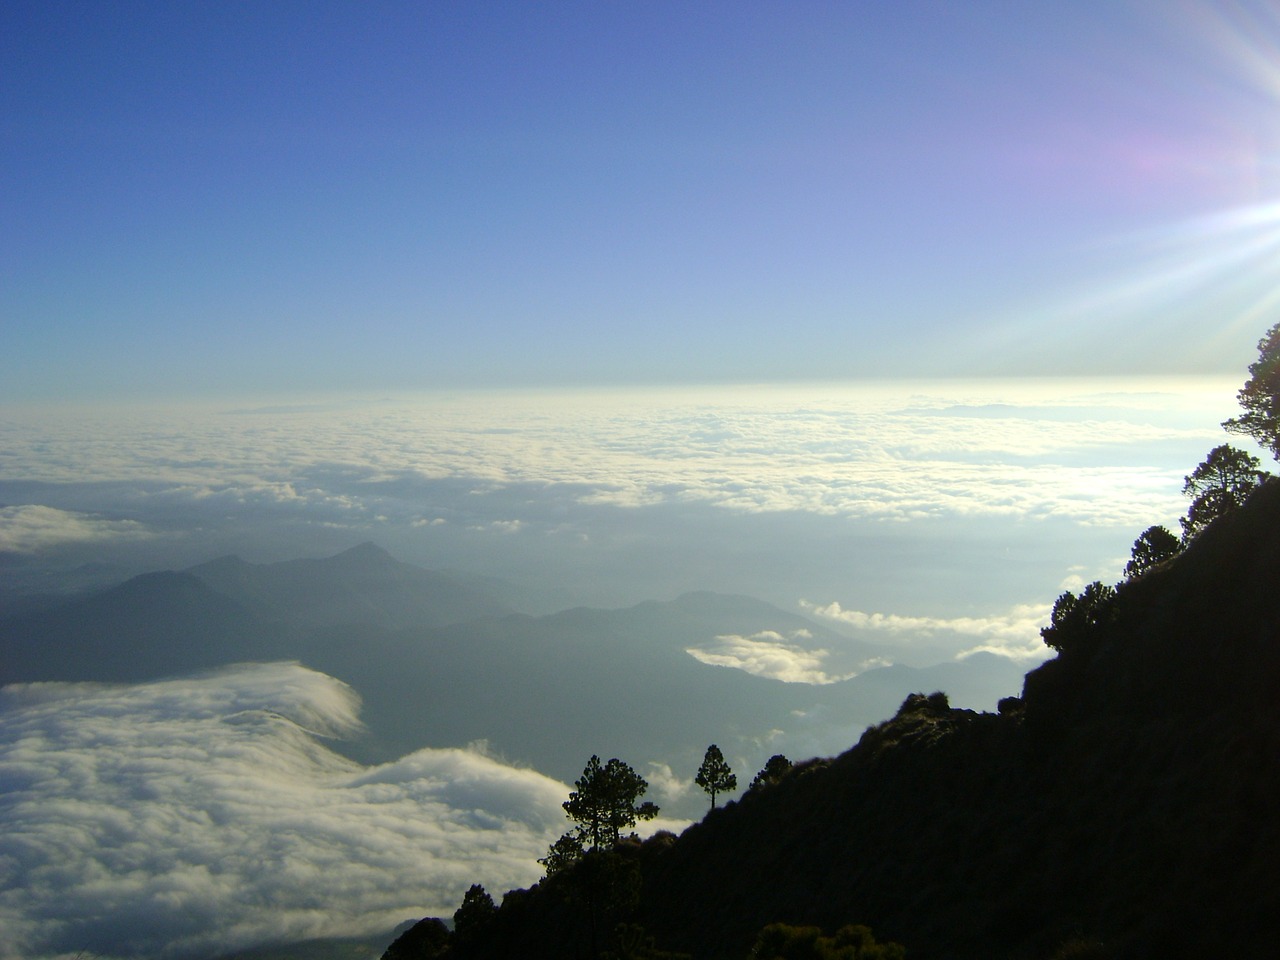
(780, 941)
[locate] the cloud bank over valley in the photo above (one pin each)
(32, 528)
(189, 817)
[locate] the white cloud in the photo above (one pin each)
(199, 815)
(769, 654)
(665, 785)
(1014, 634)
(506, 526)
(30, 528)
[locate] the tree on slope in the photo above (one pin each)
(715, 776)
(605, 800)
(476, 912)
(1260, 396)
(563, 854)
(1218, 486)
(1078, 618)
(603, 882)
(775, 768)
(1153, 546)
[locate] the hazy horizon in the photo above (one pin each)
(864, 495)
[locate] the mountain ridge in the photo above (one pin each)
(361, 584)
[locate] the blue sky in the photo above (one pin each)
(218, 198)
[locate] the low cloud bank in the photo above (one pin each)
(620, 496)
(1014, 634)
(769, 654)
(200, 815)
(31, 528)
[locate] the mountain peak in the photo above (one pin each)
(367, 552)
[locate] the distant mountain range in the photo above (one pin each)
(228, 610)
(442, 660)
(363, 585)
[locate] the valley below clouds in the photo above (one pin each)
(193, 816)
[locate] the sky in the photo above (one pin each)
(902, 316)
(222, 199)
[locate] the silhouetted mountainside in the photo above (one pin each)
(362, 585)
(1127, 802)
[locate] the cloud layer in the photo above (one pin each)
(1088, 451)
(192, 816)
(31, 528)
(769, 654)
(936, 498)
(1014, 634)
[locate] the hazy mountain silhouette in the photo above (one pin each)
(228, 610)
(1124, 807)
(362, 585)
(150, 626)
(547, 690)
(26, 591)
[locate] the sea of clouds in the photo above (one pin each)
(827, 493)
(1095, 451)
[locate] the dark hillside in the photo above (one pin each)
(1130, 801)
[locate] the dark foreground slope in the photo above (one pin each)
(1130, 801)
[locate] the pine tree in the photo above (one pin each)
(714, 776)
(605, 801)
(1260, 396)
(1154, 546)
(1218, 486)
(774, 770)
